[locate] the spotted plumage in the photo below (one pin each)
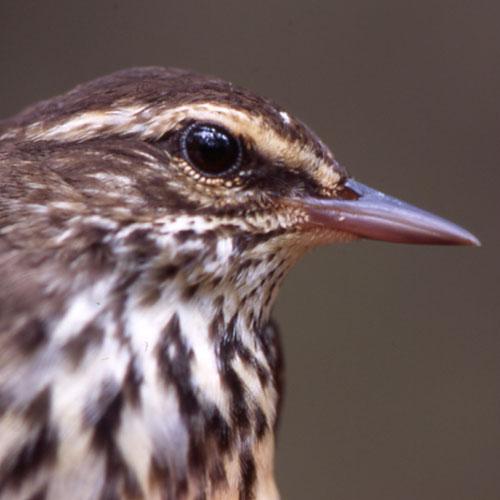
(138, 357)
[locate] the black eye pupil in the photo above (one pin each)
(211, 149)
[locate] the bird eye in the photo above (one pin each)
(211, 149)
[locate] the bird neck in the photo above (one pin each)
(174, 337)
(197, 325)
(223, 270)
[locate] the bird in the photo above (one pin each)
(147, 221)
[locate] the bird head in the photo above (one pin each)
(147, 219)
(170, 151)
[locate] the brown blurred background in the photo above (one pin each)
(393, 352)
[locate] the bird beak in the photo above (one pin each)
(370, 214)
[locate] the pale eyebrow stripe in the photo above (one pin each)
(148, 122)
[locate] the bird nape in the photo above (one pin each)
(147, 220)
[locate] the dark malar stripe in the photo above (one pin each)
(78, 346)
(37, 412)
(132, 383)
(21, 464)
(176, 370)
(32, 337)
(247, 475)
(40, 494)
(270, 341)
(226, 349)
(105, 416)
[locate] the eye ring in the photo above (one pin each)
(210, 149)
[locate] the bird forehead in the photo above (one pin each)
(145, 103)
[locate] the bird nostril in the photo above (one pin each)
(346, 193)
